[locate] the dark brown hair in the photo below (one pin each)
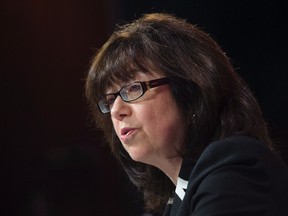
(215, 101)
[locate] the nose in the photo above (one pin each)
(120, 109)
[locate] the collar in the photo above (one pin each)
(183, 178)
(181, 186)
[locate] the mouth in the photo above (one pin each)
(126, 132)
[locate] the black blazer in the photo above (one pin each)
(237, 176)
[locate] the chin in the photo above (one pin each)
(139, 157)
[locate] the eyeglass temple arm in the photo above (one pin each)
(158, 82)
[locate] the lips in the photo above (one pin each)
(126, 132)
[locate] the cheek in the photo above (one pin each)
(165, 123)
(116, 126)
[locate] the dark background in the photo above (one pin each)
(52, 162)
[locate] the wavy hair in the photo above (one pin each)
(215, 101)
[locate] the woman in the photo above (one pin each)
(185, 127)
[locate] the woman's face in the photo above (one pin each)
(150, 128)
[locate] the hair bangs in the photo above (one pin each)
(120, 65)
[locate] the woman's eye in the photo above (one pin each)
(134, 88)
(110, 99)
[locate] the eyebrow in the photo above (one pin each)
(118, 83)
(115, 87)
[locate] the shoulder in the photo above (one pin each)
(237, 171)
(235, 152)
(236, 149)
(238, 145)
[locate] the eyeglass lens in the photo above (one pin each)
(128, 93)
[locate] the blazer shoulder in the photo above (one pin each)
(234, 147)
(238, 172)
(237, 151)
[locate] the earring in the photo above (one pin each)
(193, 118)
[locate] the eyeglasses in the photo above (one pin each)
(130, 92)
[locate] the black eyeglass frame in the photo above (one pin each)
(146, 85)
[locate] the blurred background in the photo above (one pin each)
(52, 161)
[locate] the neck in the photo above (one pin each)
(172, 168)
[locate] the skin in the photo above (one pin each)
(151, 128)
